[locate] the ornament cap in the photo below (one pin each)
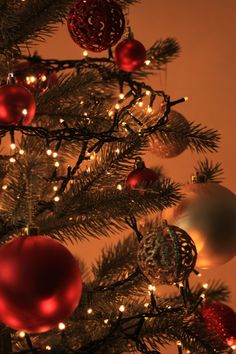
(198, 178)
(139, 163)
(31, 230)
(11, 80)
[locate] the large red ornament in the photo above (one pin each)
(220, 321)
(130, 55)
(17, 105)
(40, 284)
(208, 214)
(96, 25)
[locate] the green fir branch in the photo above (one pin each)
(213, 172)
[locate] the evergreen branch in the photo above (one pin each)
(212, 172)
(31, 22)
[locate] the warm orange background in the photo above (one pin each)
(205, 71)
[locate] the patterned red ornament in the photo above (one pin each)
(130, 55)
(96, 25)
(17, 105)
(33, 75)
(40, 284)
(220, 321)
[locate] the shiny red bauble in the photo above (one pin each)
(40, 284)
(17, 105)
(130, 55)
(220, 321)
(141, 177)
(34, 75)
(96, 25)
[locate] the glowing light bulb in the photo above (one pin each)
(149, 109)
(199, 275)
(179, 343)
(203, 296)
(148, 93)
(89, 311)
(49, 152)
(121, 96)
(57, 164)
(118, 151)
(119, 187)
(61, 326)
(148, 62)
(151, 288)
(106, 321)
(61, 121)
(12, 159)
(233, 347)
(140, 103)
(24, 112)
(43, 78)
(4, 187)
(205, 286)
(186, 99)
(117, 106)
(56, 198)
(146, 304)
(55, 188)
(85, 53)
(21, 152)
(122, 308)
(55, 154)
(48, 347)
(110, 113)
(13, 146)
(21, 334)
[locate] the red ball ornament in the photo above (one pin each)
(17, 105)
(130, 55)
(141, 176)
(96, 25)
(33, 75)
(220, 321)
(40, 284)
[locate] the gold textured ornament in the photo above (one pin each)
(169, 142)
(208, 214)
(166, 255)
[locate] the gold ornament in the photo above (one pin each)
(208, 214)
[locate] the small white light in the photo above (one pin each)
(148, 93)
(61, 326)
(121, 96)
(61, 121)
(85, 53)
(4, 187)
(81, 102)
(179, 343)
(89, 311)
(117, 106)
(49, 152)
(12, 159)
(57, 164)
(199, 275)
(21, 152)
(146, 305)
(24, 112)
(188, 351)
(106, 321)
(43, 78)
(32, 79)
(21, 334)
(118, 151)
(203, 296)
(56, 198)
(122, 308)
(181, 285)
(119, 187)
(233, 347)
(110, 113)
(48, 347)
(149, 109)
(13, 146)
(55, 188)
(55, 154)
(140, 103)
(186, 99)
(205, 286)
(151, 288)
(147, 62)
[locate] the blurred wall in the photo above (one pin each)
(205, 72)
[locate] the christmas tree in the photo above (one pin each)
(74, 137)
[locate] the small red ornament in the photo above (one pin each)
(130, 55)
(40, 284)
(96, 25)
(141, 176)
(220, 321)
(17, 105)
(33, 75)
